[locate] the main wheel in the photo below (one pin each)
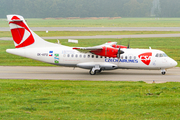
(98, 71)
(91, 72)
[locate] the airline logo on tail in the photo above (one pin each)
(146, 57)
(21, 34)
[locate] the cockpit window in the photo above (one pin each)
(160, 55)
(164, 55)
(156, 55)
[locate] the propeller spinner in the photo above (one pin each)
(119, 52)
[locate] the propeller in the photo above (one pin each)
(119, 52)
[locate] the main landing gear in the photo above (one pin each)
(94, 70)
(163, 71)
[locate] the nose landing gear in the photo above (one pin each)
(163, 71)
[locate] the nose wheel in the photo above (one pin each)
(163, 71)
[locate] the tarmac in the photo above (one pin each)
(67, 73)
(102, 29)
(99, 28)
(105, 36)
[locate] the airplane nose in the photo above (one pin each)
(174, 63)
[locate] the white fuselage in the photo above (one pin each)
(66, 56)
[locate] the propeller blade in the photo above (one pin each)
(119, 52)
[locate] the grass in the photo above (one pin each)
(123, 22)
(169, 45)
(90, 33)
(47, 100)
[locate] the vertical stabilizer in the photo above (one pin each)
(22, 35)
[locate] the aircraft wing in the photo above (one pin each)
(87, 49)
(109, 44)
(105, 50)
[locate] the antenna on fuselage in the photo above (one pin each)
(128, 44)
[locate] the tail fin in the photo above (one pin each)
(22, 35)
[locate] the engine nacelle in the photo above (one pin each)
(119, 46)
(106, 52)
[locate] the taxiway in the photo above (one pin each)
(105, 36)
(65, 73)
(99, 28)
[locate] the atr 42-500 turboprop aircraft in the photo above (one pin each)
(108, 56)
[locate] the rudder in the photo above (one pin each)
(23, 36)
(21, 33)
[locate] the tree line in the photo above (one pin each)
(89, 8)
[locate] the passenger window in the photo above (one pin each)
(68, 55)
(134, 57)
(101, 57)
(96, 56)
(64, 55)
(130, 57)
(88, 56)
(80, 56)
(76, 55)
(92, 56)
(72, 55)
(125, 57)
(84, 56)
(121, 57)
